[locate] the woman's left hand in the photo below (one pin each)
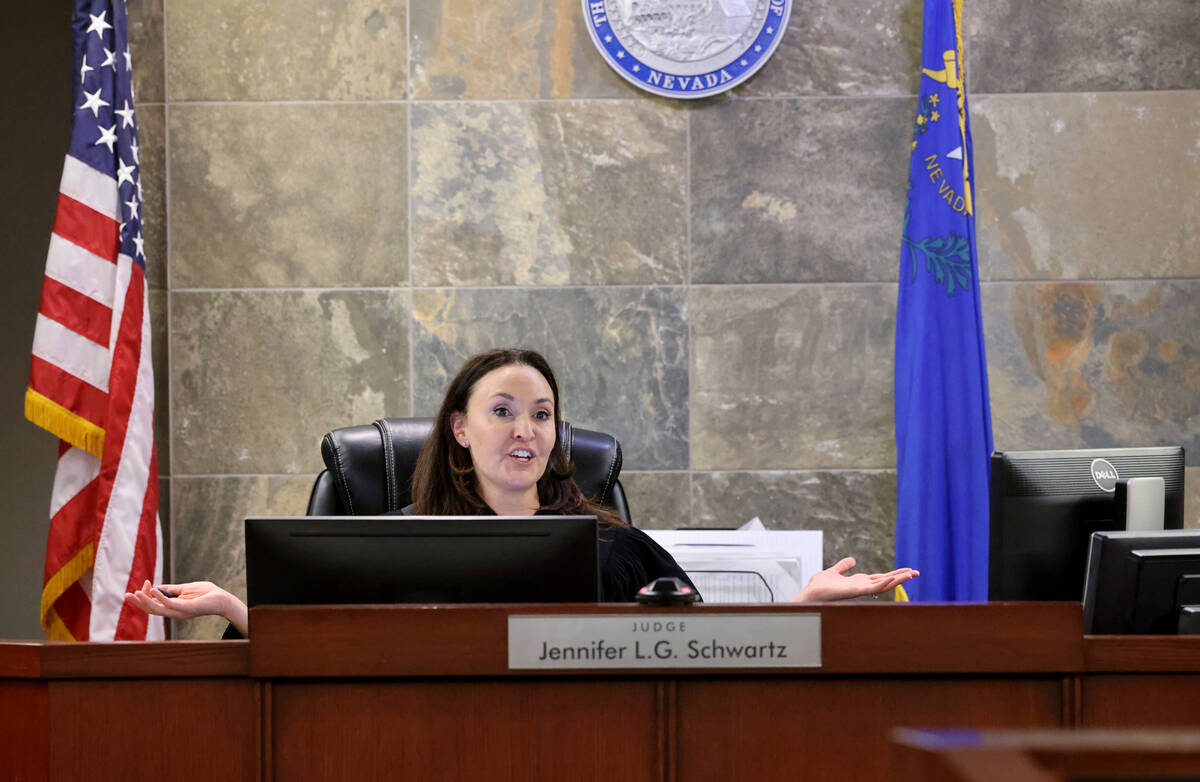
(833, 583)
(198, 598)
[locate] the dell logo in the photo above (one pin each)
(1104, 474)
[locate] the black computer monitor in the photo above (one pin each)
(1139, 582)
(1045, 505)
(329, 560)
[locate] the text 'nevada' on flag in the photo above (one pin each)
(943, 416)
(91, 382)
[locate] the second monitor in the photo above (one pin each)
(1142, 583)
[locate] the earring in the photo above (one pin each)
(463, 442)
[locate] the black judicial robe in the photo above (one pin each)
(629, 559)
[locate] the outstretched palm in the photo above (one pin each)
(198, 598)
(832, 583)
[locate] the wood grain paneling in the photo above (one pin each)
(55, 660)
(838, 727)
(424, 692)
(471, 640)
(448, 730)
(154, 729)
(1174, 653)
(1140, 700)
(24, 731)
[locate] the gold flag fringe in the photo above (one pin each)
(68, 574)
(64, 424)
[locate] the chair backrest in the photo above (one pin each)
(368, 468)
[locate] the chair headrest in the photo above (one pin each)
(372, 464)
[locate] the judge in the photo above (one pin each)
(494, 450)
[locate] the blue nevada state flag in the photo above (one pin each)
(943, 420)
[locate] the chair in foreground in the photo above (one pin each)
(1048, 755)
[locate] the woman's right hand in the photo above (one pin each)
(198, 598)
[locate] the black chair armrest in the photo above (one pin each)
(323, 501)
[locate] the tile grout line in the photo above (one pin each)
(408, 198)
(687, 196)
(170, 336)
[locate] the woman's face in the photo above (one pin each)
(508, 427)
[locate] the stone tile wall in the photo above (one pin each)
(346, 199)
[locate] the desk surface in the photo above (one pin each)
(123, 659)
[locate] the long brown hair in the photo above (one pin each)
(444, 481)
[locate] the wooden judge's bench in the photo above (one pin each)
(426, 693)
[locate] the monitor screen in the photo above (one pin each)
(1045, 505)
(421, 559)
(1138, 582)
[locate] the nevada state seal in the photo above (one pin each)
(686, 48)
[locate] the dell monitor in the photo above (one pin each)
(421, 559)
(1045, 505)
(1142, 583)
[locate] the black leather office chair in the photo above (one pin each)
(368, 468)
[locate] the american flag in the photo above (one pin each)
(92, 383)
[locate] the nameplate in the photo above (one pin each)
(678, 641)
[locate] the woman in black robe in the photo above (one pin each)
(494, 450)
